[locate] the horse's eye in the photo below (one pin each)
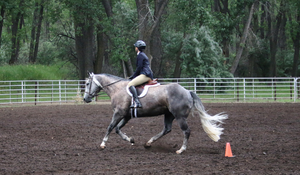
(88, 84)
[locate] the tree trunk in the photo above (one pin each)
(282, 33)
(296, 42)
(156, 47)
(33, 33)
(38, 32)
(84, 41)
(242, 42)
(156, 53)
(216, 6)
(100, 51)
(14, 31)
(177, 70)
(296, 56)
(80, 47)
(178, 62)
(146, 28)
(262, 22)
(127, 68)
(1, 21)
(102, 40)
(274, 30)
(108, 8)
(225, 10)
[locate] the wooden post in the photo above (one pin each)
(291, 90)
(237, 90)
(274, 90)
(35, 94)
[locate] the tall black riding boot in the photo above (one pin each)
(137, 103)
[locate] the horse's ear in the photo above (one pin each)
(90, 73)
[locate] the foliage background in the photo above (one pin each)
(193, 38)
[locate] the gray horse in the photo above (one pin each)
(172, 100)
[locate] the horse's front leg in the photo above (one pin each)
(115, 120)
(118, 130)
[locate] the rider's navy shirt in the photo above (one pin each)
(143, 66)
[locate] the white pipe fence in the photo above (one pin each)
(40, 91)
(212, 89)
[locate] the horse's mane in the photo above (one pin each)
(115, 77)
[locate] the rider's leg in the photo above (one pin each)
(135, 82)
(135, 98)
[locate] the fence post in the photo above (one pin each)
(244, 84)
(237, 90)
(35, 93)
(59, 91)
(195, 85)
(51, 92)
(22, 91)
(298, 87)
(295, 89)
(234, 88)
(10, 92)
(65, 91)
(275, 90)
(214, 88)
(253, 89)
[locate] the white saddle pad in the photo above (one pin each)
(146, 88)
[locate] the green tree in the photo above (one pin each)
(17, 17)
(294, 24)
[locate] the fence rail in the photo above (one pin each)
(215, 89)
(40, 91)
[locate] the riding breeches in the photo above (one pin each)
(138, 80)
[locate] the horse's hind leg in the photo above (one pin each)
(118, 130)
(167, 128)
(186, 132)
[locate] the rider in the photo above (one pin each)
(142, 74)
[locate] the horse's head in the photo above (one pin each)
(92, 87)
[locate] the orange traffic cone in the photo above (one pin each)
(228, 152)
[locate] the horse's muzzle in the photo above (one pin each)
(87, 100)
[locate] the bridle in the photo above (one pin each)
(99, 85)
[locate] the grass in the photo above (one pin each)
(31, 72)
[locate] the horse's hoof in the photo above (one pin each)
(179, 151)
(131, 140)
(102, 146)
(147, 145)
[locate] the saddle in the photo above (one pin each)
(143, 88)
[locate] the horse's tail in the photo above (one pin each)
(209, 123)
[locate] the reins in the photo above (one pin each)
(112, 83)
(100, 85)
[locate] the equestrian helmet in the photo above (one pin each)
(140, 43)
